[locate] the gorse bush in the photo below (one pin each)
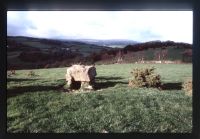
(31, 73)
(11, 72)
(187, 86)
(145, 77)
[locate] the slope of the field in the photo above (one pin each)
(40, 104)
(45, 44)
(21, 52)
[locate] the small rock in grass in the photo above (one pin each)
(104, 131)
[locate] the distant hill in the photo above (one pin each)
(27, 52)
(157, 44)
(118, 43)
(153, 50)
(48, 44)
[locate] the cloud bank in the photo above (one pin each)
(133, 25)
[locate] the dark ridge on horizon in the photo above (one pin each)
(86, 40)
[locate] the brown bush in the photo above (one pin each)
(31, 73)
(47, 66)
(145, 78)
(11, 72)
(187, 87)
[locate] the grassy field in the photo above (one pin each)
(41, 104)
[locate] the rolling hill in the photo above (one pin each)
(27, 52)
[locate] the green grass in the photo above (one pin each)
(39, 104)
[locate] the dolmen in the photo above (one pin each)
(81, 77)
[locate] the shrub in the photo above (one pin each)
(55, 64)
(187, 86)
(31, 73)
(145, 77)
(47, 66)
(11, 72)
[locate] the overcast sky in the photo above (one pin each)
(133, 25)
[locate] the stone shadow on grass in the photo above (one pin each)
(23, 89)
(19, 79)
(172, 86)
(108, 78)
(103, 85)
(103, 82)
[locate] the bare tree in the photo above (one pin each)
(157, 55)
(120, 56)
(164, 54)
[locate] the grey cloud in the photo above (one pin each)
(18, 29)
(148, 34)
(55, 34)
(19, 25)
